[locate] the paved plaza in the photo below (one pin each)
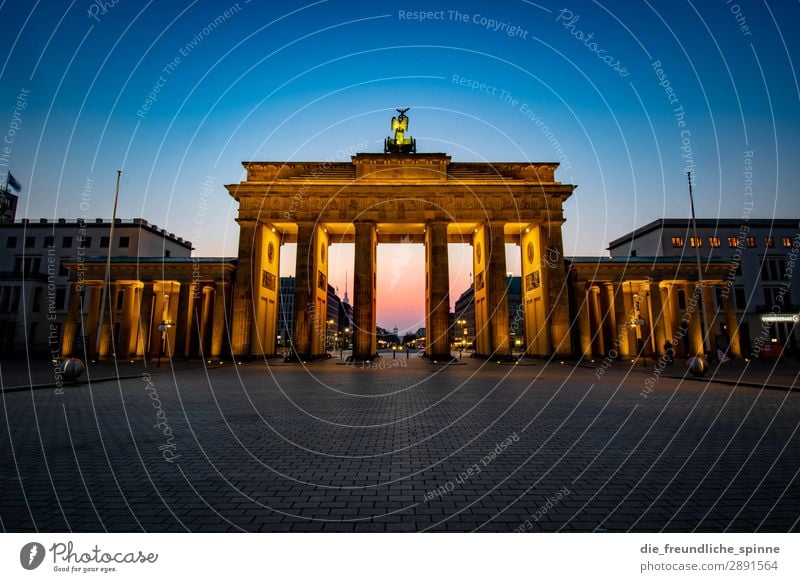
(406, 446)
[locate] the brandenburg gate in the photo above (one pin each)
(400, 196)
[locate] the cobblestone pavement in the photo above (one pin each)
(472, 446)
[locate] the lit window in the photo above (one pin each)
(733, 242)
(769, 242)
(787, 242)
(677, 242)
(696, 242)
(713, 241)
(751, 242)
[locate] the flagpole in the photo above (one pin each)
(697, 256)
(106, 297)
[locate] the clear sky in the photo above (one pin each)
(626, 95)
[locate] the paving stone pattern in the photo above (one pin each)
(333, 448)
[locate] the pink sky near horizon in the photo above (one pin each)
(401, 278)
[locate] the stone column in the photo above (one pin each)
(497, 291)
(182, 322)
(192, 327)
(205, 319)
(438, 300)
(145, 319)
(597, 320)
(364, 343)
(582, 298)
(675, 317)
(694, 306)
(621, 318)
(108, 316)
(242, 317)
(74, 314)
(557, 294)
(659, 326)
(127, 332)
(710, 317)
(732, 324)
(609, 316)
(218, 331)
(304, 290)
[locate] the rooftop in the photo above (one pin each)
(98, 222)
(662, 223)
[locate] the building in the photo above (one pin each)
(8, 206)
(333, 329)
(762, 253)
(34, 287)
(464, 317)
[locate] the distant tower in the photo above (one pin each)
(346, 298)
(394, 331)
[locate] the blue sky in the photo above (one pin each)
(312, 80)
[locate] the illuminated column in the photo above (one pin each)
(108, 318)
(127, 332)
(266, 290)
(556, 281)
(181, 321)
(145, 319)
(490, 291)
(243, 297)
(364, 344)
(205, 319)
(437, 291)
(71, 324)
(693, 313)
(675, 316)
(597, 319)
(218, 330)
(622, 317)
(192, 319)
(582, 298)
(710, 316)
(609, 316)
(659, 325)
(732, 324)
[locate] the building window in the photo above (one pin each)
(677, 242)
(124, 242)
(713, 241)
(61, 295)
(62, 270)
(769, 242)
(37, 300)
(751, 242)
(85, 242)
(772, 296)
(167, 254)
(48, 242)
(103, 242)
(741, 299)
(66, 242)
(17, 265)
(733, 242)
(773, 269)
(11, 242)
(30, 242)
(696, 242)
(787, 242)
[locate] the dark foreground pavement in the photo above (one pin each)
(331, 448)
